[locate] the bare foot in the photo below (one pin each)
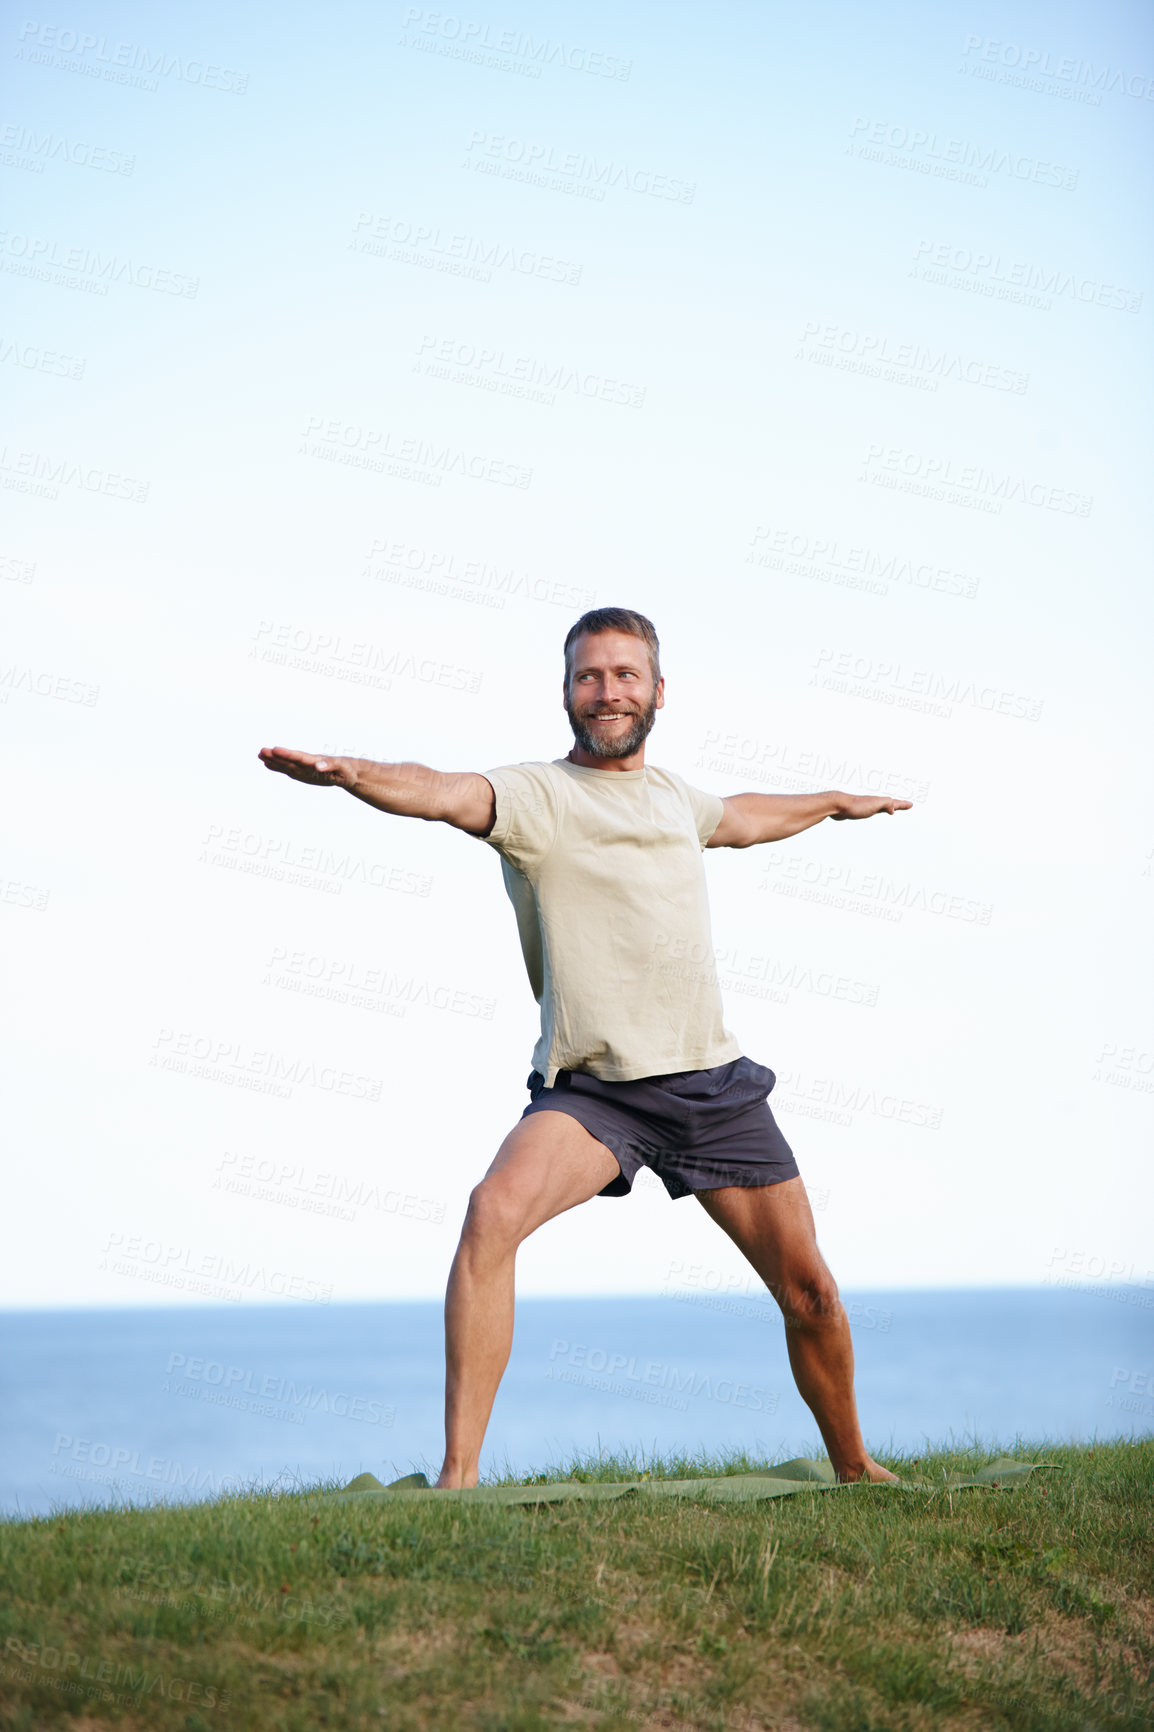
(871, 1471)
(458, 1481)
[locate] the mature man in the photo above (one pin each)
(601, 856)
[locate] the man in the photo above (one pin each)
(601, 856)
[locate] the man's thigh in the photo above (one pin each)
(548, 1163)
(773, 1226)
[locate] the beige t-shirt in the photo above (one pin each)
(604, 871)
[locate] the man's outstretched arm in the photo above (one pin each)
(461, 798)
(750, 818)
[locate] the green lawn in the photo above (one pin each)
(846, 1611)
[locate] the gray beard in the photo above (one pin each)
(603, 748)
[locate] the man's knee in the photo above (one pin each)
(807, 1297)
(495, 1217)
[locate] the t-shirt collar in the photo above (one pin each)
(605, 775)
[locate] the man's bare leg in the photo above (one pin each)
(548, 1163)
(772, 1225)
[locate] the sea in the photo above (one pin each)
(136, 1406)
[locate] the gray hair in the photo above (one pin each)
(623, 619)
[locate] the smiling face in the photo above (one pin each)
(611, 699)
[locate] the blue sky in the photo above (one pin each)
(348, 359)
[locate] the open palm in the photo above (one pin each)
(868, 805)
(304, 767)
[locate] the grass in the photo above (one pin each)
(867, 1611)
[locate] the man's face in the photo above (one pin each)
(610, 698)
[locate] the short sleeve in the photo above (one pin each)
(527, 800)
(708, 809)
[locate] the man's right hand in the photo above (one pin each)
(304, 767)
(461, 798)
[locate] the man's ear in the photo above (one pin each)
(659, 693)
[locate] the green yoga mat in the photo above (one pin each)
(783, 1481)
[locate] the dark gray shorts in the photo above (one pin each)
(696, 1129)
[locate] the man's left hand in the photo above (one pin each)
(867, 805)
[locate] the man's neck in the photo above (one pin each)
(588, 761)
